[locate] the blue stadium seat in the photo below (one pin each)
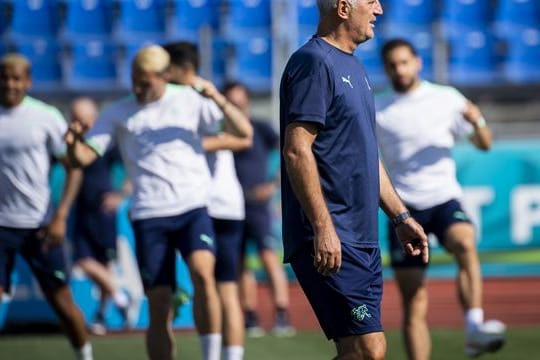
(4, 49)
(521, 63)
(45, 56)
(88, 19)
(515, 15)
(33, 18)
(91, 65)
(459, 16)
(369, 54)
(473, 59)
(252, 63)
(189, 16)
(247, 14)
(308, 13)
(419, 12)
(220, 55)
(3, 16)
(141, 19)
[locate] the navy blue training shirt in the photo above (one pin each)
(252, 163)
(326, 86)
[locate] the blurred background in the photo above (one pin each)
(488, 49)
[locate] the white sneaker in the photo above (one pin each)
(488, 337)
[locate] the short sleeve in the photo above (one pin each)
(307, 89)
(461, 128)
(101, 136)
(211, 118)
(57, 128)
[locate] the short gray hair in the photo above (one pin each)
(326, 6)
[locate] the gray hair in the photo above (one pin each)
(326, 6)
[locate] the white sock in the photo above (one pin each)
(84, 353)
(473, 318)
(211, 346)
(233, 352)
(120, 299)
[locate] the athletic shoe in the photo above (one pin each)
(282, 326)
(488, 337)
(98, 326)
(252, 325)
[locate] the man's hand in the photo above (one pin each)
(111, 201)
(205, 88)
(261, 193)
(327, 249)
(413, 239)
(472, 113)
(75, 132)
(54, 233)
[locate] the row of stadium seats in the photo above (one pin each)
(89, 43)
(160, 18)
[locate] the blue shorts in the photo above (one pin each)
(94, 235)
(349, 302)
(229, 242)
(435, 220)
(258, 228)
(48, 267)
(157, 239)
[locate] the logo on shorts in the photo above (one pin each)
(360, 312)
(460, 215)
(59, 275)
(207, 239)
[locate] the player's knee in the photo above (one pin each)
(202, 277)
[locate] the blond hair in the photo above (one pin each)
(15, 59)
(152, 58)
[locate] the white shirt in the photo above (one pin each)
(226, 197)
(416, 132)
(161, 148)
(30, 134)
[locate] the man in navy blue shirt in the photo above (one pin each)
(333, 182)
(94, 215)
(259, 188)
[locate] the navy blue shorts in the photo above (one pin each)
(258, 228)
(349, 302)
(229, 242)
(48, 267)
(435, 220)
(157, 239)
(94, 235)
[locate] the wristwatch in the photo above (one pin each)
(399, 219)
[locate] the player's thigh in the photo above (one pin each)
(459, 238)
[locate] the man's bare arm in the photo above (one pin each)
(79, 153)
(303, 175)
(225, 141)
(482, 137)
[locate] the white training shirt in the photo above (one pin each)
(161, 148)
(30, 134)
(226, 196)
(416, 132)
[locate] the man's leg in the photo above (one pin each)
(71, 319)
(233, 320)
(370, 346)
(159, 335)
(459, 239)
(206, 305)
(414, 298)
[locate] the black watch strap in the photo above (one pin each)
(399, 219)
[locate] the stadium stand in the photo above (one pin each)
(91, 65)
(46, 61)
(488, 41)
(189, 16)
(89, 19)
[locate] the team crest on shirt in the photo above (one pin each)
(361, 312)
